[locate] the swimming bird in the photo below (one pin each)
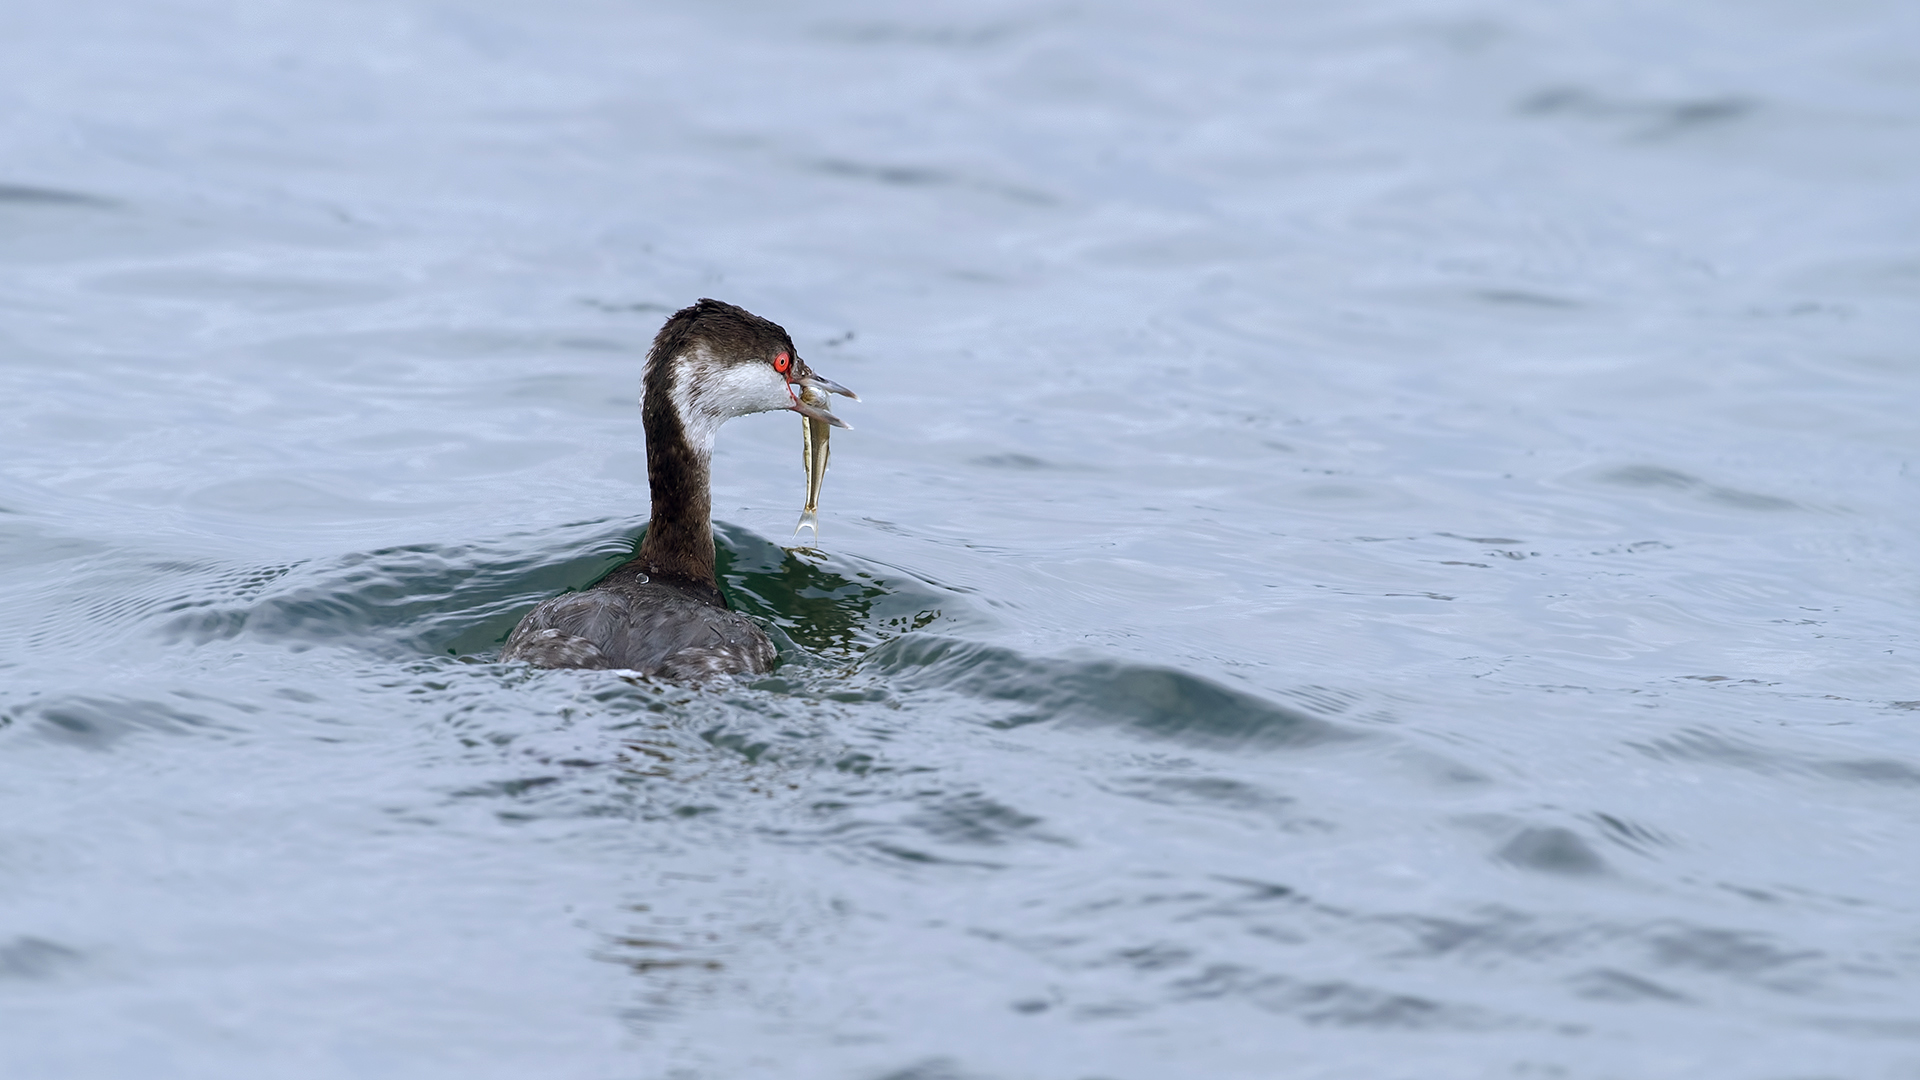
(661, 612)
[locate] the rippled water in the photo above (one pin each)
(1379, 541)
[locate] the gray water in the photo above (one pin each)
(1379, 541)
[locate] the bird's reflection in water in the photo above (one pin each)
(827, 606)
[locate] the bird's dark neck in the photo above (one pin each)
(679, 543)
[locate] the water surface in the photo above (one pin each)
(1379, 541)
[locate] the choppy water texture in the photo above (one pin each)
(1380, 541)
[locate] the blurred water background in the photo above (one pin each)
(1380, 540)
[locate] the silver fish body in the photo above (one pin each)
(813, 451)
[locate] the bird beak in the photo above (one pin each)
(811, 380)
(814, 412)
(811, 399)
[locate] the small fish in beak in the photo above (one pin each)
(816, 426)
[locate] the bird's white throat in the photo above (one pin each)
(708, 392)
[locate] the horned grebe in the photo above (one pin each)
(661, 612)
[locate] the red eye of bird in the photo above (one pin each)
(782, 362)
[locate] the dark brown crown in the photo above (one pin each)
(731, 334)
